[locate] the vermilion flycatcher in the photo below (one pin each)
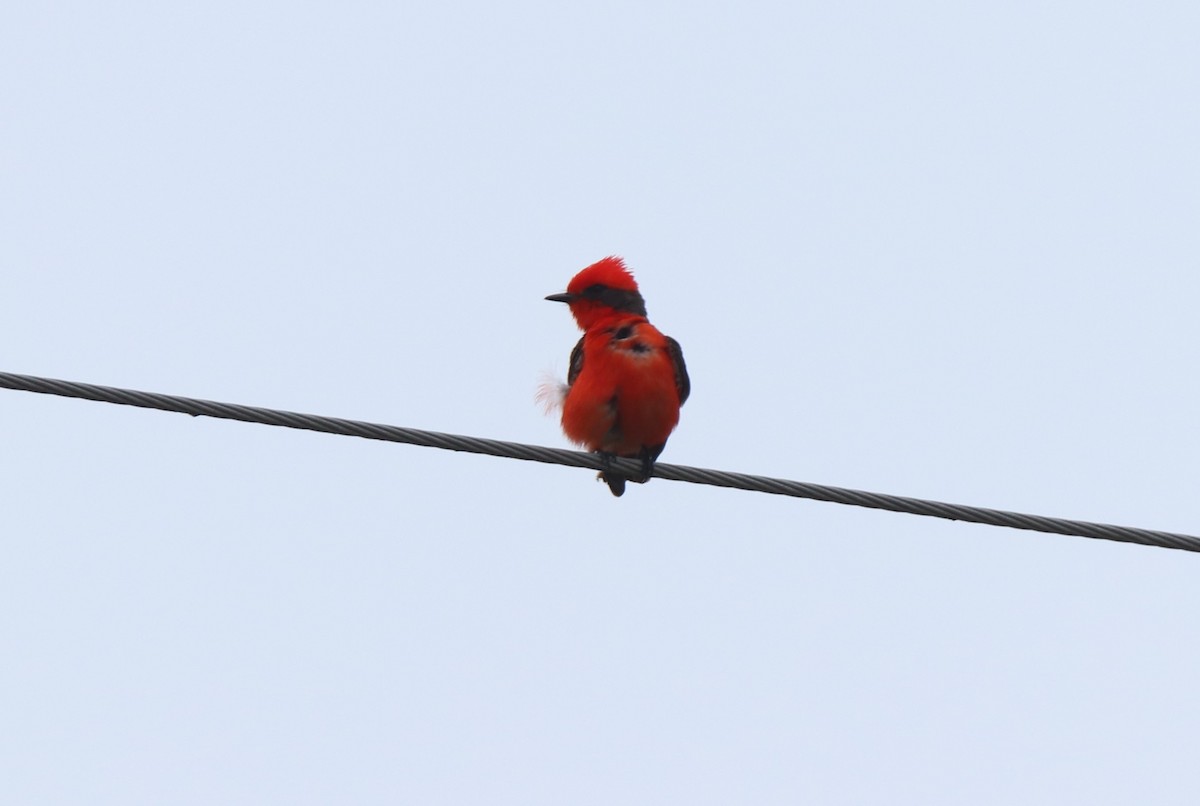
(627, 380)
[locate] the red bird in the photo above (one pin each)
(627, 380)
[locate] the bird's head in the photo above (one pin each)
(602, 289)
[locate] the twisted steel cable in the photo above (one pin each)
(536, 453)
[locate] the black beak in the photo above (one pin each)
(561, 298)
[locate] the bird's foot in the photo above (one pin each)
(647, 466)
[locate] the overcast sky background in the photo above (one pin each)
(932, 249)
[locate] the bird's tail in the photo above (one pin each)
(614, 480)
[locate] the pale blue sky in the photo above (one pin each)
(932, 249)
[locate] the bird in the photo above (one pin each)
(626, 380)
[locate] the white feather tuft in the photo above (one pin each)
(551, 392)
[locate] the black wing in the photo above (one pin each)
(576, 363)
(682, 382)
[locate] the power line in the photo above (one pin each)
(558, 456)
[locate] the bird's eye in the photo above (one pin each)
(623, 333)
(593, 291)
